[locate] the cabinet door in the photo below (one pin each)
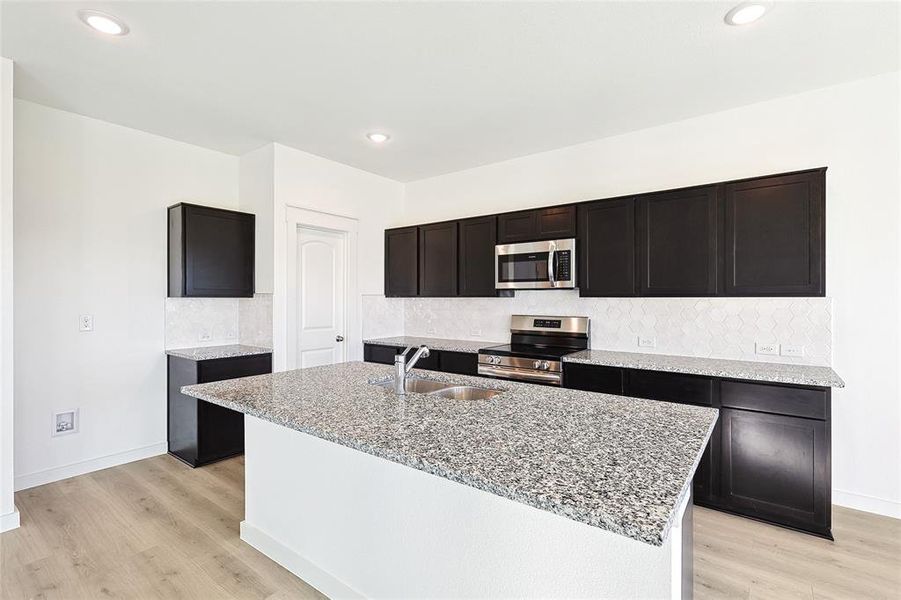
(607, 265)
(517, 227)
(777, 468)
(677, 242)
(438, 260)
(775, 232)
(477, 240)
(211, 252)
(401, 262)
(557, 222)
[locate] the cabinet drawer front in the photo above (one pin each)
(776, 399)
(464, 363)
(671, 387)
(379, 354)
(232, 368)
(593, 378)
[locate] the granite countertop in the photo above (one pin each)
(714, 367)
(470, 346)
(212, 352)
(620, 464)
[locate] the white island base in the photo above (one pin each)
(355, 525)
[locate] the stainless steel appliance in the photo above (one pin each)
(537, 346)
(535, 265)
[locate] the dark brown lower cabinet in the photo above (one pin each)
(775, 468)
(200, 432)
(769, 456)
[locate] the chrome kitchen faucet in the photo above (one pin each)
(402, 367)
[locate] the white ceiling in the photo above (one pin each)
(455, 84)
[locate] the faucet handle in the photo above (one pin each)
(404, 353)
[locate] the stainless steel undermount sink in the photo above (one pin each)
(466, 392)
(445, 390)
(418, 386)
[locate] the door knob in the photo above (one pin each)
(339, 338)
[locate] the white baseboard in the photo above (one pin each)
(871, 504)
(30, 480)
(323, 581)
(9, 521)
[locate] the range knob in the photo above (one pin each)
(536, 364)
(494, 360)
(545, 365)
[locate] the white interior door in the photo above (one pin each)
(321, 296)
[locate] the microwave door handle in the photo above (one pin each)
(551, 259)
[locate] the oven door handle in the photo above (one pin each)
(520, 374)
(551, 259)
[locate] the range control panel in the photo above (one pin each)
(547, 323)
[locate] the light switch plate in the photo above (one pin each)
(796, 351)
(647, 341)
(86, 323)
(769, 349)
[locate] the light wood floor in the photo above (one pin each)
(158, 529)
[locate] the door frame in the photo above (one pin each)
(296, 217)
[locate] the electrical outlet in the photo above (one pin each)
(86, 323)
(475, 332)
(771, 349)
(647, 341)
(431, 331)
(792, 350)
(205, 335)
(64, 422)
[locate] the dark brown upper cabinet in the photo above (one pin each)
(677, 242)
(775, 235)
(401, 262)
(211, 252)
(551, 223)
(478, 237)
(606, 250)
(438, 259)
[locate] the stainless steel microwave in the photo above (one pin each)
(535, 265)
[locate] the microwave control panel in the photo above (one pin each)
(563, 268)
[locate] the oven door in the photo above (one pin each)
(535, 265)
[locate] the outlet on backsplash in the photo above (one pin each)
(475, 332)
(647, 341)
(768, 349)
(796, 351)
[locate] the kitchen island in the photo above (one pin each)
(537, 491)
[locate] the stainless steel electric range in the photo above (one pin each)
(536, 349)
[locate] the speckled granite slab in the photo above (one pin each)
(620, 464)
(212, 352)
(434, 343)
(713, 367)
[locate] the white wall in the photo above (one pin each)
(9, 517)
(852, 129)
(90, 228)
(306, 181)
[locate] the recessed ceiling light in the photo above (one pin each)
(103, 22)
(746, 12)
(378, 138)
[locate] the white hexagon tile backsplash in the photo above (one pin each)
(710, 327)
